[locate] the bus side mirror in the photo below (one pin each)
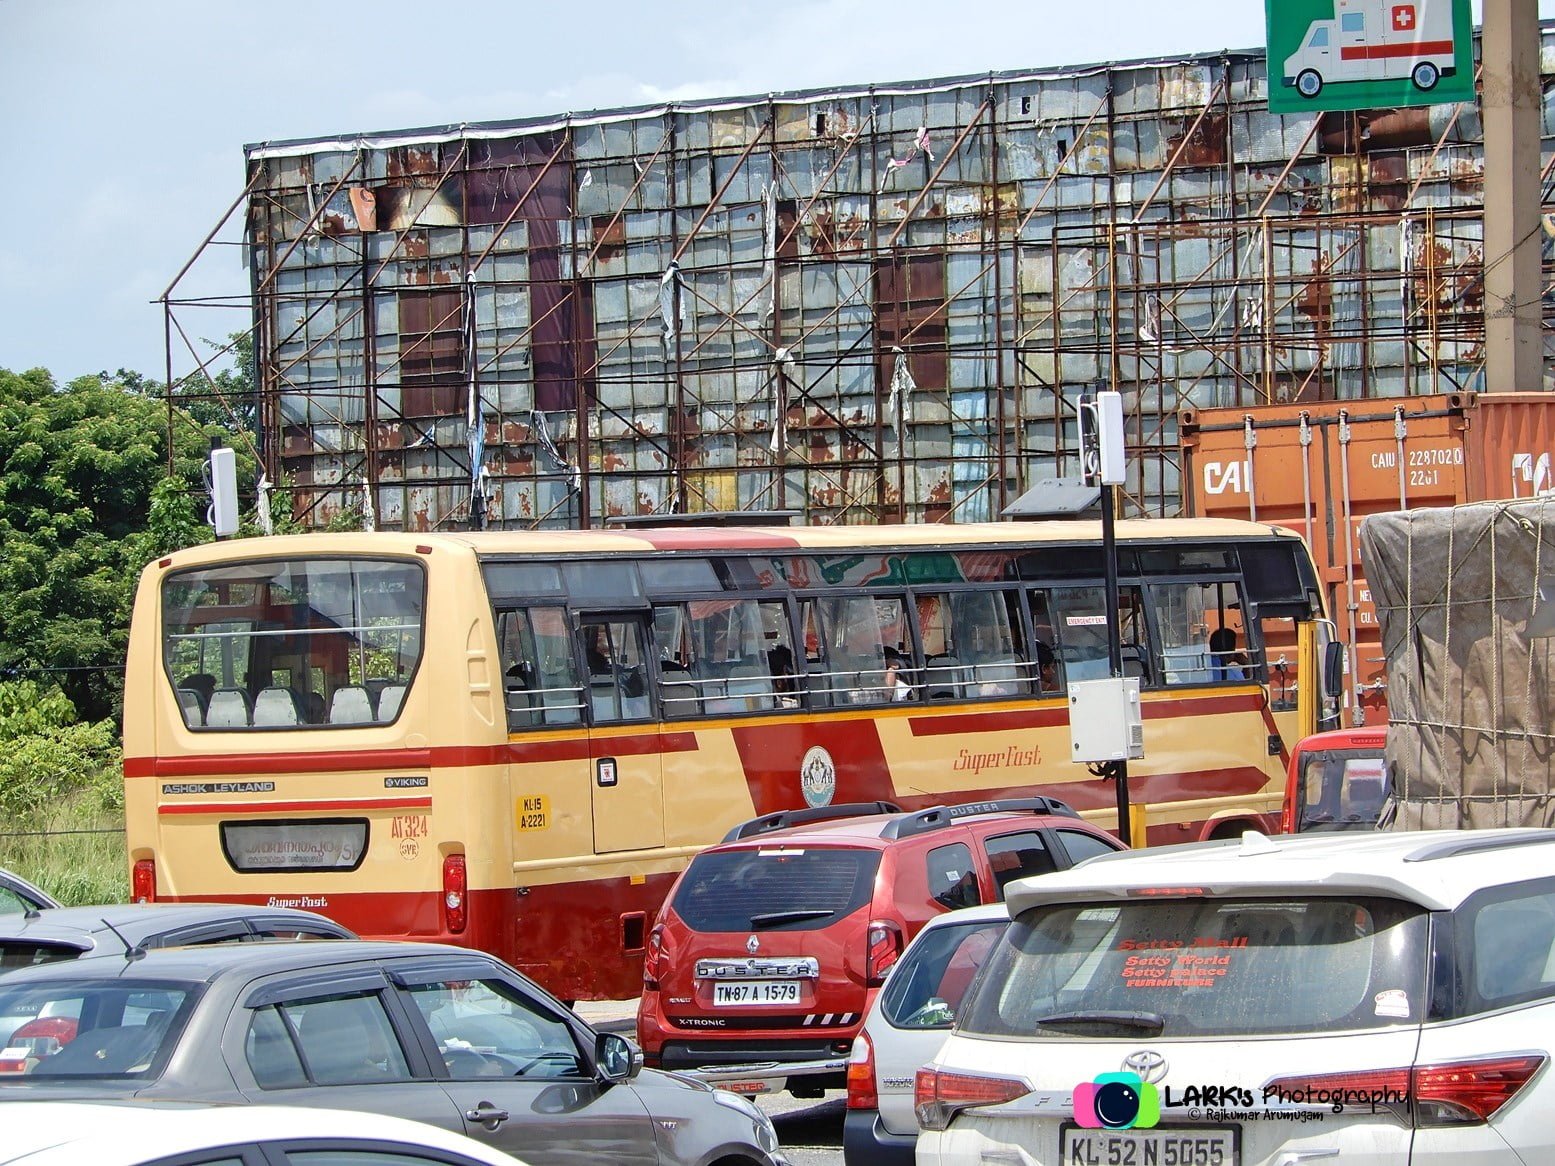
(1333, 668)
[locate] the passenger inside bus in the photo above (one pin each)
(897, 685)
(1226, 662)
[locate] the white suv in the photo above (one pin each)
(1366, 997)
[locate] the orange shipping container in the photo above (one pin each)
(1320, 468)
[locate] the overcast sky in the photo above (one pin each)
(123, 122)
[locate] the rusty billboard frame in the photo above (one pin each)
(868, 304)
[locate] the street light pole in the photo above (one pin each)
(1116, 770)
(1102, 450)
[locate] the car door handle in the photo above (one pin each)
(487, 1114)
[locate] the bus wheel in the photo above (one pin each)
(1425, 76)
(1309, 84)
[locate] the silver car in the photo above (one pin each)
(439, 1034)
(17, 894)
(905, 1026)
(69, 933)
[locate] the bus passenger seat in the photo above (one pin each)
(679, 700)
(228, 709)
(276, 706)
(942, 677)
(752, 685)
(193, 707)
(350, 705)
(389, 701)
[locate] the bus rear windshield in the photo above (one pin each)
(293, 643)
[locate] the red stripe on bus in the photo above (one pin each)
(244, 764)
(339, 804)
(582, 747)
(1036, 718)
(445, 757)
(1421, 48)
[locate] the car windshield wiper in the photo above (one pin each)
(774, 918)
(1152, 1022)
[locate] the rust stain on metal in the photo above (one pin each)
(1206, 145)
(408, 160)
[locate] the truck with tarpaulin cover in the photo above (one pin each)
(1465, 599)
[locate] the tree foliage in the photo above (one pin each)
(80, 513)
(48, 755)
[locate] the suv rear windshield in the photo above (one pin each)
(1205, 967)
(787, 889)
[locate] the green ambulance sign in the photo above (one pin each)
(1368, 54)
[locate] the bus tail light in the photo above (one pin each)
(938, 1096)
(455, 893)
(862, 1091)
(884, 945)
(655, 959)
(143, 881)
(1452, 1093)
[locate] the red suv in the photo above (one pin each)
(771, 945)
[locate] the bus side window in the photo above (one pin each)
(734, 667)
(992, 651)
(943, 677)
(678, 695)
(812, 631)
(617, 671)
(1191, 619)
(1081, 623)
(539, 678)
(1050, 668)
(868, 658)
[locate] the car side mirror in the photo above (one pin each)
(616, 1058)
(1333, 668)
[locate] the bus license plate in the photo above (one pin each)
(757, 992)
(1182, 1146)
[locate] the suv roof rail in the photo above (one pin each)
(783, 819)
(1453, 847)
(938, 817)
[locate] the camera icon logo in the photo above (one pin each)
(1117, 1101)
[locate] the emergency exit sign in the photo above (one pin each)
(1368, 54)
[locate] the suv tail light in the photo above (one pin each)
(884, 945)
(655, 959)
(143, 881)
(862, 1092)
(1453, 1093)
(938, 1096)
(455, 892)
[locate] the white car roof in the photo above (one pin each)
(1437, 869)
(125, 1133)
(969, 915)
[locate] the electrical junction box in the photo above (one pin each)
(1105, 723)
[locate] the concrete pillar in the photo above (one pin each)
(1509, 46)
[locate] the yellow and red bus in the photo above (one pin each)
(515, 740)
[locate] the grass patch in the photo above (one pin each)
(74, 851)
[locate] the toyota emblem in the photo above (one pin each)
(753, 945)
(1147, 1063)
